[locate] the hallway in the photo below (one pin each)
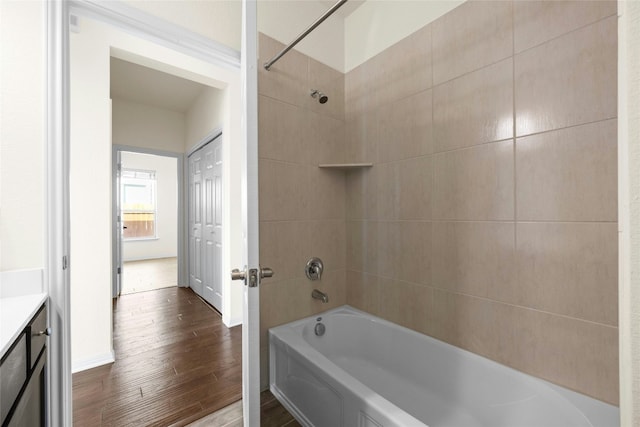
(149, 274)
(176, 362)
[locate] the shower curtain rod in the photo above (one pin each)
(304, 34)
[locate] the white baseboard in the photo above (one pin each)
(94, 362)
(233, 322)
(148, 258)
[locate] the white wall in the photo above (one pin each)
(90, 204)
(166, 243)
(629, 209)
(205, 114)
(22, 102)
(219, 20)
(376, 25)
(146, 126)
(284, 20)
(91, 176)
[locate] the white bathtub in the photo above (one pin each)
(365, 372)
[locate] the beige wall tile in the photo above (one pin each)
(404, 189)
(286, 80)
(405, 67)
(414, 252)
(328, 241)
(361, 137)
(474, 108)
(283, 190)
(474, 183)
(387, 193)
(325, 139)
(388, 250)
(471, 36)
(569, 80)
(465, 322)
(355, 245)
(283, 134)
(283, 247)
(406, 304)
(362, 246)
(361, 200)
(331, 83)
(362, 87)
(356, 184)
(569, 175)
(404, 250)
(362, 291)
(282, 302)
(572, 353)
(535, 22)
(326, 194)
(405, 128)
(475, 258)
(414, 187)
(569, 269)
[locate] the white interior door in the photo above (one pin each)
(212, 225)
(250, 224)
(195, 222)
(118, 229)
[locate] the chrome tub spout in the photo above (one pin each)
(316, 294)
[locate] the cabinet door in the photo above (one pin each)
(30, 411)
(13, 374)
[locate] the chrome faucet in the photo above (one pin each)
(316, 294)
(314, 268)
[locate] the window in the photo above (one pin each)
(138, 204)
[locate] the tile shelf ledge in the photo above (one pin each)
(345, 166)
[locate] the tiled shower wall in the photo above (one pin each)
(489, 218)
(302, 207)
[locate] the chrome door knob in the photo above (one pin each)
(237, 274)
(265, 272)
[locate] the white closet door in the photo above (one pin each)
(212, 227)
(205, 222)
(195, 222)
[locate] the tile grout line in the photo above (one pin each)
(597, 21)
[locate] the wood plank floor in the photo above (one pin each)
(272, 414)
(149, 275)
(176, 362)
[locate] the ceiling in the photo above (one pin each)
(147, 86)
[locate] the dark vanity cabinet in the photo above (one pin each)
(23, 376)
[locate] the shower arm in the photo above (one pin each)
(304, 34)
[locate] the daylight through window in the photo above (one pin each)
(138, 207)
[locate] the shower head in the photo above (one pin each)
(322, 98)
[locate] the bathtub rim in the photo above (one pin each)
(598, 413)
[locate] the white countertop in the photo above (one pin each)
(15, 314)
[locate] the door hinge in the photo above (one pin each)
(119, 270)
(65, 262)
